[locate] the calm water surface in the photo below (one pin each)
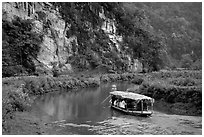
(79, 106)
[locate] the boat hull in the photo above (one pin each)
(136, 113)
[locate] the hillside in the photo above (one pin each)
(180, 27)
(62, 38)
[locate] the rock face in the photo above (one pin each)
(136, 66)
(56, 48)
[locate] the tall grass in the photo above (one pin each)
(179, 87)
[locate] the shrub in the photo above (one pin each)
(197, 65)
(177, 74)
(11, 102)
(18, 101)
(137, 80)
(8, 71)
(173, 94)
(146, 89)
(104, 78)
(183, 82)
(80, 62)
(93, 82)
(20, 45)
(93, 59)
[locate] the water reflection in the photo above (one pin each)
(85, 105)
(82, 112)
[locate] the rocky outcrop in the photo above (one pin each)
(56, 48)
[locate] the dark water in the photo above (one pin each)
(77, 106)
(85, 111)
(88, 105)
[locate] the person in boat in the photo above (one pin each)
(113, 100)
(115, 103)
(132, 105)
(123, 104)
(114, 88)
(139, 106)
(118, 103)
(145, 105)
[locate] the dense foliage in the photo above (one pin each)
(20, 46)
(157, 34)
(183, 88)
(85, 22)
(180, 27)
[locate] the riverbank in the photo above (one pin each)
(19, 92)
(181, 92)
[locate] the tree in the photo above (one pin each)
(131, 23)
(182, 28)
(20, 46)
(186, 61)
(145, 44)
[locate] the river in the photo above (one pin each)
(87, 112)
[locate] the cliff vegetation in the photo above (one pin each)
(62, 38)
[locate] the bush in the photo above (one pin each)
(170, 93)
(177, 74)
(137, 80)
(174, 94)
(183, 82)
(93, 59)
(197, 65)
(14, 101)
(19, 45)
(104, 78)
(39, 85)
(93, 82)
(155, 90)
(8, 71)
(80, 62)
(18, 101)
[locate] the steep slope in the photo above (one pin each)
(60, 49)
(87, 36)
(180, 24)
(55, 48)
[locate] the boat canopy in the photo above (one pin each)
(130, 95)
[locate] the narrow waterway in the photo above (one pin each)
(86, 111)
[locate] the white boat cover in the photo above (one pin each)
(131, 95)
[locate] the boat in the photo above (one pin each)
(132, 103)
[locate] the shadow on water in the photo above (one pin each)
(80, 106)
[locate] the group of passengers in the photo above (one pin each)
(120, 103)
(128, 104)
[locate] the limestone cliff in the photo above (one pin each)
(56, 47)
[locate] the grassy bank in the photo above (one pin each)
(181, 90)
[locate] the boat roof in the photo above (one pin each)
(130, 95)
